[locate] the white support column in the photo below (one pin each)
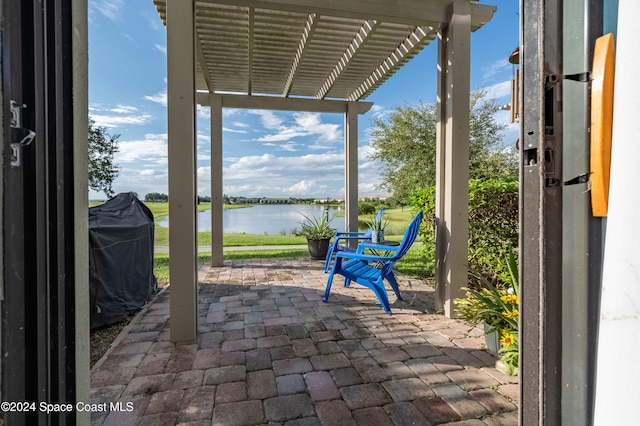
(452, 177)
(217, 255)
(351, 167)
(182, 183)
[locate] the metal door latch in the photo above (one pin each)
(24, 136)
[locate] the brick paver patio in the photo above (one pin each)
(269, 351)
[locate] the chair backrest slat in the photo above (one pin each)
(410, 236)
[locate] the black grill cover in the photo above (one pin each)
(121, 276)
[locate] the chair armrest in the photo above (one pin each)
(350, 235)
(361, 256)
(382, 247)
(355, 237)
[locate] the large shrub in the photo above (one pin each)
(366, 208)
(493, 222)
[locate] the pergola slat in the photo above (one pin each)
(334, 48)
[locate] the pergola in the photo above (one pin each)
(317, 56)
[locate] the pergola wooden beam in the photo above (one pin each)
(410, 12)
(282, 104)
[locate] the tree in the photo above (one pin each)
(405, 145)
(156, 197)
(102, 170)
(366, 208)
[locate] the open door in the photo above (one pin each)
(38, 305)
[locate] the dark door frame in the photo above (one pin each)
(560, 241)
(39, 206)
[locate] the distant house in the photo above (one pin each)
(328, 200)
(275, 200)
(374, 197)
(245, 200)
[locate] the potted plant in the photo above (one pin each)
(318, 232)
(377, 226)
(498, 309)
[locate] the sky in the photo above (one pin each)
(265, 153)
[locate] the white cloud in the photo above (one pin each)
(124, 109)
(204, 172)
(115, 121)
(203, 138)
(227, 129)
(153, 148)
(268, 118)
(120, 115)
(142, 181)
(321, 146)
(161, 48)
(229, 112)
(496, 68)
(112, 9)
(269, 166)
(290, 146)
(313, 175)
(368, 189)
(311, 123)
(288, 166)
(378, 111)
(498, 90)
(512, 132)
(284, 134)
(203, 112)
(160, 98)
(304, 125)
(246, 190)
(305, 187)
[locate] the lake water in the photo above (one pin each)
(264, 218)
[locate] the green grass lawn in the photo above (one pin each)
(399, 218)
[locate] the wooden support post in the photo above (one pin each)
(453, 157)
(351, 167)
(217, 255)
(182, 184)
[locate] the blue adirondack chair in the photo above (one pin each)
(341, 240)
(370, 270)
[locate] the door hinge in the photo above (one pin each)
(19, 133)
